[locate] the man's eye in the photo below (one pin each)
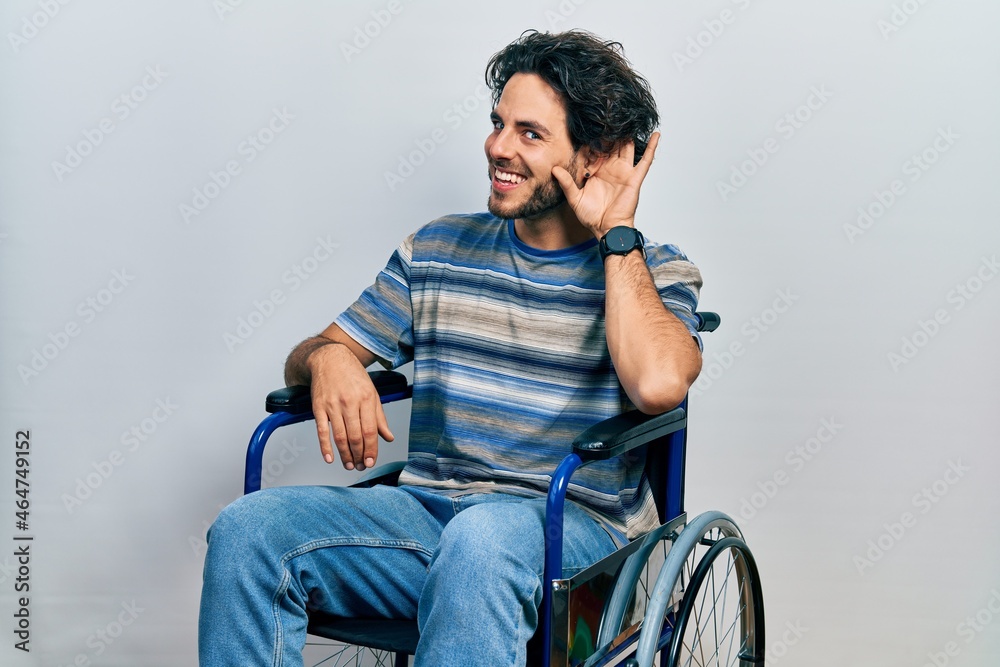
(532, 135)
(498, 125)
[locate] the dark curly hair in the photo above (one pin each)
(607, 103)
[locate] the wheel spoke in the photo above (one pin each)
(722, 613)
(738, 617)
(349, 655)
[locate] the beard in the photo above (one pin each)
(544, 198)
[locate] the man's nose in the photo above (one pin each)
(502, 146)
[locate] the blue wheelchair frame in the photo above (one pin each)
(665, 433)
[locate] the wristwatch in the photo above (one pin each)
(620, 240)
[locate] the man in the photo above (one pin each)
(525, 325)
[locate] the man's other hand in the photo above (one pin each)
(346, 404)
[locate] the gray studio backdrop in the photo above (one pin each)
(188, 188)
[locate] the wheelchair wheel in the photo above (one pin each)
(335, 654)
(706, 604)
(721, 616)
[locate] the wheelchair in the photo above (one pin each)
(687, 593)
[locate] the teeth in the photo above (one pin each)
(508, 177)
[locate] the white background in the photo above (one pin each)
(844, 584)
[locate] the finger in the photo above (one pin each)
(383, 425)
(341, 442)
(369, 428)
(646, 162)
(323, 432)
(650, 152)
(627, 153)
(566, 182)
(355, 440)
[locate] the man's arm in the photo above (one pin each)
(654, 354)
(344, 399)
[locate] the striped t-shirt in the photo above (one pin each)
(510, 359)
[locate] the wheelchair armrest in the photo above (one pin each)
(708, 321)
(292, 405)
(297, 400)
(625, 432)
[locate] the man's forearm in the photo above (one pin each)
(653, 352)
(296, 366)
(297, 369)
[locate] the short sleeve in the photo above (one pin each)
(678, 282)
(381, 319)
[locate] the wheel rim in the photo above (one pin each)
(720, 620)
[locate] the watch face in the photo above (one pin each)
(621, 239)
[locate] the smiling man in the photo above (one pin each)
(525, 325)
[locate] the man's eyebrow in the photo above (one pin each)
(532, 125)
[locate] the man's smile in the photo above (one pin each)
(505, 181)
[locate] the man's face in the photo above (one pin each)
(529, 137)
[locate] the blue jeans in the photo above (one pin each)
(469, 569)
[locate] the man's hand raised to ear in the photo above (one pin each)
(610, 196)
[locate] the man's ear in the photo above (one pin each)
(590, 160)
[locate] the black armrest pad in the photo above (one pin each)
(388, 382)
(708, 321)
(627, 431)
(297, 399)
